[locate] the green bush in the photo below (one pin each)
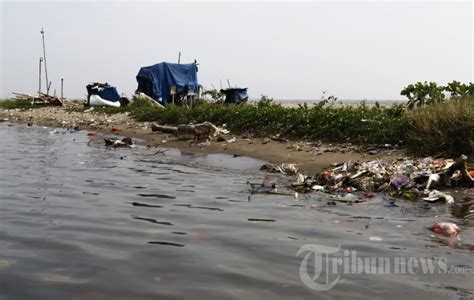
(429, 93)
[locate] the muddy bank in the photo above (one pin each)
(310, 157)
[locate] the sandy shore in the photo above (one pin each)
(310, 157)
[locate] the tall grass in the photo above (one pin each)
(442, 128)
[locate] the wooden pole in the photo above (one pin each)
(45, 66)
(62, 83)
(179, 57)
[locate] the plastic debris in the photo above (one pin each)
(318, 187)
(204, 144)
(446, 229)
(399, 181)
(230, 141)
(288, 169)
(433, 180)
(91, 133)
(125, 142)
(435, 195)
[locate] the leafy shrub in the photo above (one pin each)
(429, 93)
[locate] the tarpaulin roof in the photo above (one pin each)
(235, 95)
(104, 90)
(156, 81)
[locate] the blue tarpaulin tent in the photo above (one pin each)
(156, 81)
(235, 95)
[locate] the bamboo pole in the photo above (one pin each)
(45, 66)
(39, 75)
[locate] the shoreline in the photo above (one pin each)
(309, 156)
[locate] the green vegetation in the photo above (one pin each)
(327, 122)
(15, 103)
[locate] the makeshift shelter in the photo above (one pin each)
(235, 95)
(100, 94)
(165, 82)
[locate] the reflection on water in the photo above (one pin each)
(79, 222)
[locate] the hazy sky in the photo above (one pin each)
(286, 50)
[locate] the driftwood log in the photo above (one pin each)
(189, 131)
(164, 129)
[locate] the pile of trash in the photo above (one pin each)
(406, 178)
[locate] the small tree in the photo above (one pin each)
(422, 93)
(265, 101)
(457, 89)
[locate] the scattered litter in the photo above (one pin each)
(91, 133)
(115, 129)
(375, 238)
